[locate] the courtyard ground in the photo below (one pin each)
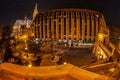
(76, 56)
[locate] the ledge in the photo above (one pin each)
(57, 72)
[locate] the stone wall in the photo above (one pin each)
(10, 71)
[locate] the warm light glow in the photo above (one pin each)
(112, 69)
(30, 65)
(26, 48)
(101, 57)
(15, 27)
(65, 63)
(36, 42)
(65, 44)
(100, 37)
(24, 37)
(98, 52)
(103, 54)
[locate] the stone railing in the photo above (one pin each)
(10, 71)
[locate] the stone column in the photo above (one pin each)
(33, 29)
(88, 26)
(48, 28)
(36, 25)
(96, 19)
(57, 26)
(41, 27)
(67, 26)
(92, 22)
(62, 25)
(83, 26)
(72, 26)
(44, 27)
(52, 26)
(78, 26)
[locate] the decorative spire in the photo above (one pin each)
(35, 11)
(36, 7)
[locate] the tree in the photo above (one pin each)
(5, 42)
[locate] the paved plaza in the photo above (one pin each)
(79, 56)
(76, 56)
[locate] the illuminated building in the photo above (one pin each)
(19, 25)
(70, 26)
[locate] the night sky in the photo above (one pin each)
(11, 10)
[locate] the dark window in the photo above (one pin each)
(45, 31)
(85, 29)
(59, 19)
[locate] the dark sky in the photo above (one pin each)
(11, 10)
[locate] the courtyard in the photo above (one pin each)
(75, 56)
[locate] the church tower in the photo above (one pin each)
(35, 11)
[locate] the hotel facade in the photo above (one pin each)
(69, 26)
